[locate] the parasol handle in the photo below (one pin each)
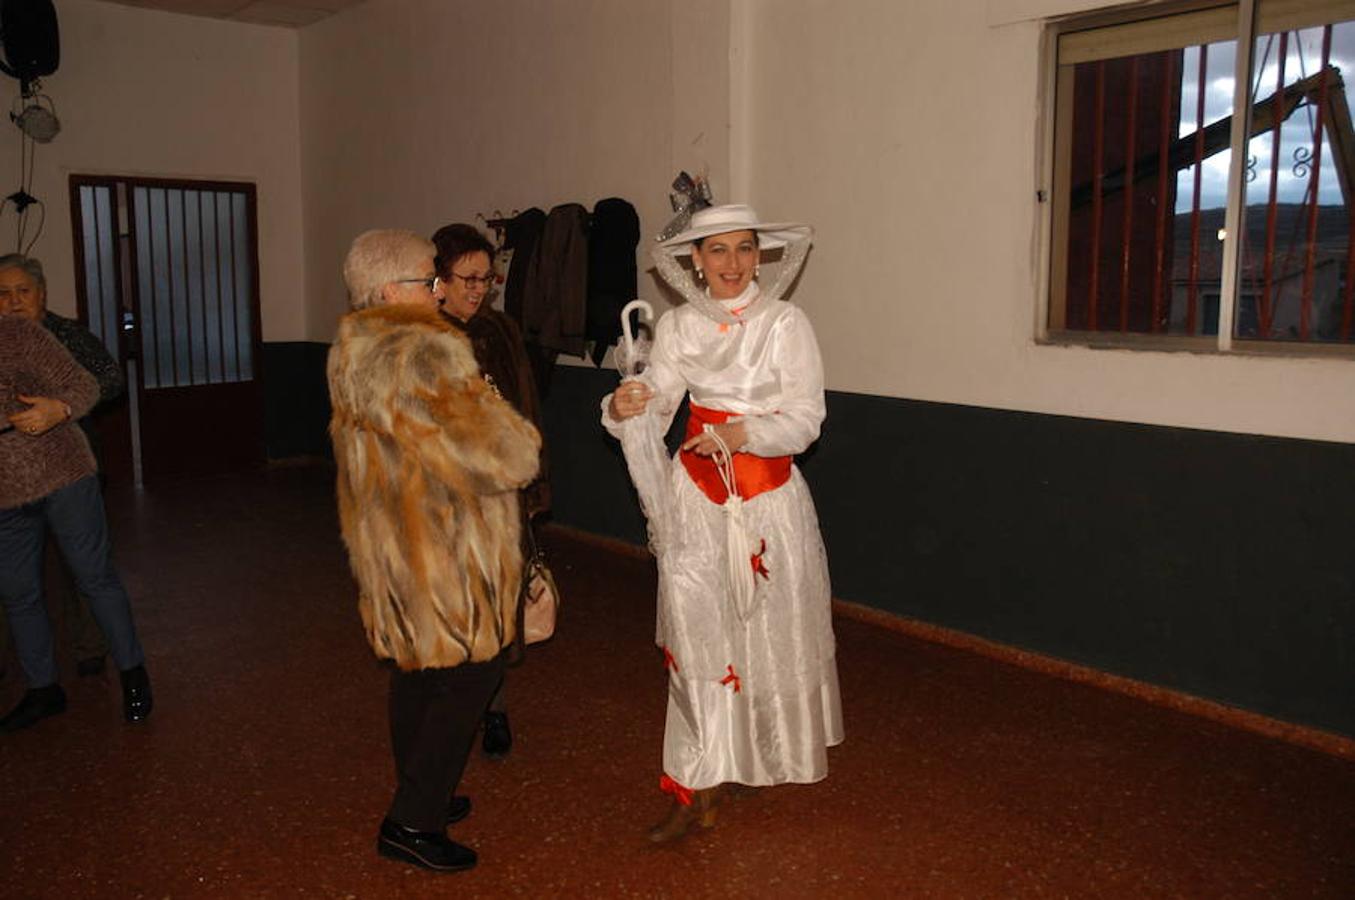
(628, 336)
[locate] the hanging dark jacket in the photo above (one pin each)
(612, 239)
(555, 303)
(522, 236)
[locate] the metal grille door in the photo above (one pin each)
(168, 278)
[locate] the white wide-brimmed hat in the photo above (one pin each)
(736, 217)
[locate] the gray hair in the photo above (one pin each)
(380, 257)
(31, 265)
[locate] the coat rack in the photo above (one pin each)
(498, 223)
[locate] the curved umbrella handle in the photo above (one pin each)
(628, 336)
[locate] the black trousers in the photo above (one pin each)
(433, 717)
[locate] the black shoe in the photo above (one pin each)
(136, 694)
(498, 738)
(90, 666)
(428, 849)
(457, 809)
(36, 705)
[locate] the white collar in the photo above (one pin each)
(746, 298)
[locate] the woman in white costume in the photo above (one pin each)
(743, 616)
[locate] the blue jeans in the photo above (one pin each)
(75, 517)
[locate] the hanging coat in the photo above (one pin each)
(554, 306)
(612, 272)
(522, 236)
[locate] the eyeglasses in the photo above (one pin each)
(430, 283)
(472, 280)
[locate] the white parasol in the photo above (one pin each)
(642, 440)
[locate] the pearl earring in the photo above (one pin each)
(757, 271)
(700, 274)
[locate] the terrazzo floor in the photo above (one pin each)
(264, 770)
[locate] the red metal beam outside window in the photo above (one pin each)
(1193, 285)
(1159, 322)
(1264, 312)
(1306, 309)
(1098, 163)
(1130, 137)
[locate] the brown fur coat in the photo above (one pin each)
(430, 460)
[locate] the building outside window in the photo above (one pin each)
(1186, 212)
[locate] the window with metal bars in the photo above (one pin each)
(186, 253)
(193, 266)
(1203, 169)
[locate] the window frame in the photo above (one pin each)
(1048, 206)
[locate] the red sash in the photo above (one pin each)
(753, 474)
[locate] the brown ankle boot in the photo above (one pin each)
(681, 817)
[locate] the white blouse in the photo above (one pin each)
(767, 371)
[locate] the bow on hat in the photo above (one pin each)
(692, 194)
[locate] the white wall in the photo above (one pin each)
(908, 133)
(417, 113)
(157, 94)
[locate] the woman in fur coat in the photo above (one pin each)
(430, 460)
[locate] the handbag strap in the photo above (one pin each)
(533, 550)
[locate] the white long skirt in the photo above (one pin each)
(754, 702)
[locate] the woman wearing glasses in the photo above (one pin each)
(744, 617)
(429, 461)
(465, 266)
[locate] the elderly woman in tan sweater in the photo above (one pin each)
(430, 460)
(48, 484)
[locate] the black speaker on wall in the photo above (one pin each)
(28, 34)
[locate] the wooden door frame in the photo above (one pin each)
(130, 347)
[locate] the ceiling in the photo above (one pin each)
(286, 13)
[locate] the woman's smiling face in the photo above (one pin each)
(728, 261)
(468, 282)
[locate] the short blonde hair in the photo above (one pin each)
(380, 257)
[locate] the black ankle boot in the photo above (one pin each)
(498, 738)
(136, 694)
(457, 809)
(36, 705)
